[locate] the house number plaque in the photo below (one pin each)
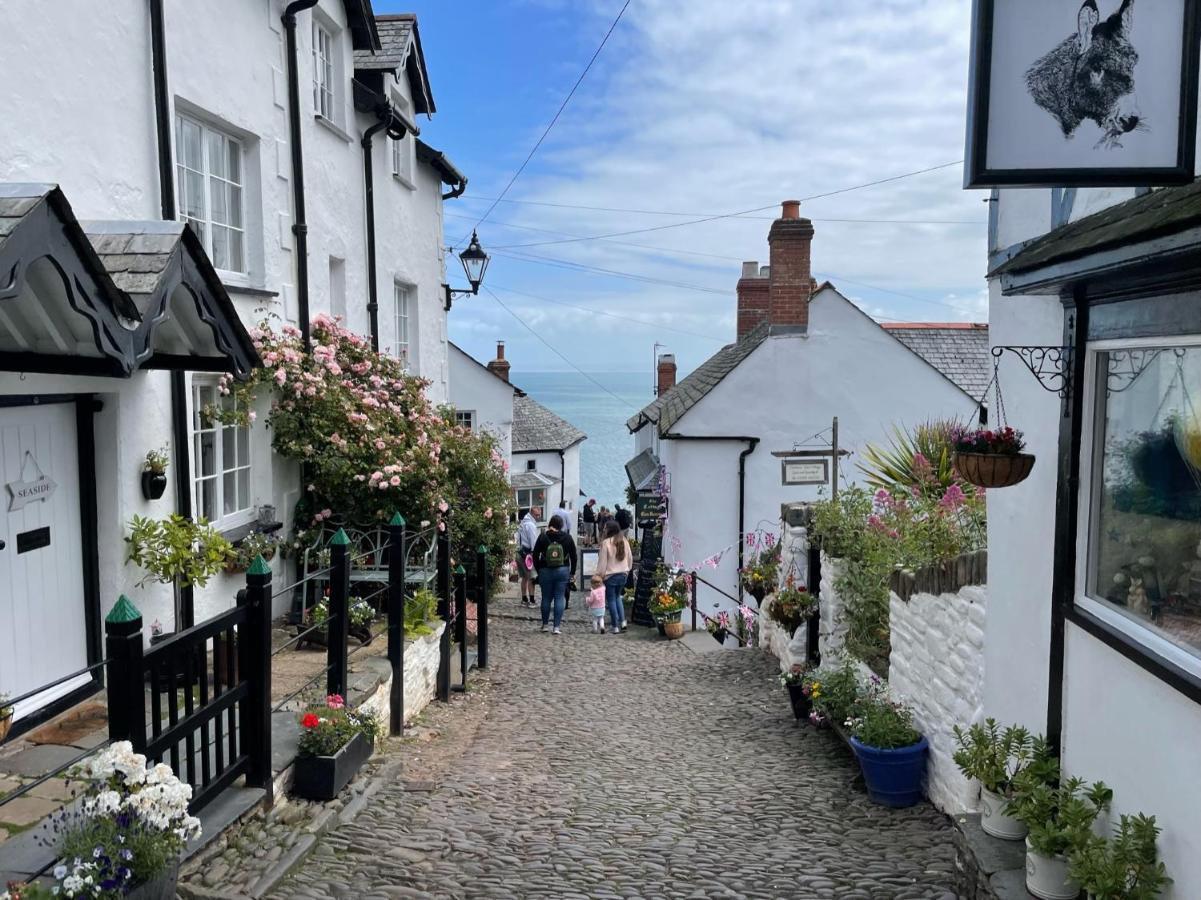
(29, 490)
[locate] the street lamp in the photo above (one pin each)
(475, 263)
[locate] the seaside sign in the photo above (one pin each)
(26, 490)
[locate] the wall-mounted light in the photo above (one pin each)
(475, 263)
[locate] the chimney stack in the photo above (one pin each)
(667, 374)
(500, 365)
(753, 298)
(789, 278)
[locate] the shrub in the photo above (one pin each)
(991, 756)
(923, 453)
(834, 692)
(419, 609)
(1124, 867)
(1059, 813)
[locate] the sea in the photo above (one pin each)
(600, 414)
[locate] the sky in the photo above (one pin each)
(696, 109)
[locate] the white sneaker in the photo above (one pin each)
(556, 631)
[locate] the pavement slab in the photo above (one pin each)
(624, 766)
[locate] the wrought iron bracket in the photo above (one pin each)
(1051, 365)
(1125, 366)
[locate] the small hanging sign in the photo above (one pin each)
(805, 471)
(29, 490)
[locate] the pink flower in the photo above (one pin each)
(953, 498)
(488, 513)
(335, 701)
(443, 506)
(394, 481)
(281, 375)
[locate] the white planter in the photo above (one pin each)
(1047, 877)
(994, 821)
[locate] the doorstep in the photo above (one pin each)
(988, 867)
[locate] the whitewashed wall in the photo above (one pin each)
(420, 675)
(549, 464)
(473, 387)
(832, 630)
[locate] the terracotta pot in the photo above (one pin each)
(994, 821)
(673, 630)
(994, 470)
(1047, 876)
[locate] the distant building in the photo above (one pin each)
(738, 433)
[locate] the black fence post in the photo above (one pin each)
(815, 620)
(338, 628)
(481, 607)
(461, 622)
(397, 557)
(254, 662)
(126, 695)
(692, 590)
(444, 588)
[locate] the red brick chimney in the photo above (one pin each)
(667, 374)
(790, 279)
(753, 298)
(500, 365)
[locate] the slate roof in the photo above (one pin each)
(536, 428)
(668, 408)
(528, 480)
(1160, 213)
(395, 32)
(957, 349)
(136, 254)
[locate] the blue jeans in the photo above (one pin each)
(554, 588)
(614, 585)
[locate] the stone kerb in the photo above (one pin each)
(937, 668)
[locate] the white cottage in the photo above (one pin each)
(1094, 615)
(284, 137)
(482, 398)
(736, 435)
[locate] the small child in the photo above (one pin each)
(596, 604)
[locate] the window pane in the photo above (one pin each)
(234, 170)
(235, 205)
(243, 489)
(220, 201)
(237, 260)
(220, 247)
(206, 455)
(243, 446)
(206, 504)
(229, 447)
(1145, 541)
(229, 502)
(194, 195)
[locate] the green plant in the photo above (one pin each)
(1059, 813)
(156, 460)
(762, 572)
(923, 453)
(791, 606)
(1123, 867)
(327, 729)
(879, 721)
(834, 692)
(359, 612)
(795, 675)
(176, 550)
(986, 440)
(419, 609)
(5, 709)
(673, 592)
(991, 756)
(254, 544)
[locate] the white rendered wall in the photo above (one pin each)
(474, 388)
(549, 463)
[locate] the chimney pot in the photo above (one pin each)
(500, 349)
(790, 209)
(750, 269)
(765, 271)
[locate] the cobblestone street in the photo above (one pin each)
(620, 766)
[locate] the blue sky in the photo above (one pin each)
(699, 108)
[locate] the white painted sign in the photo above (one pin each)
(29, 490)
(805, 471)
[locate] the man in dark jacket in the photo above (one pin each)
(555, 559)
(624, 519)
(589, 532)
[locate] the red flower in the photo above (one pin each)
(310, 720)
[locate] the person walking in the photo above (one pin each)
(555, 560)
(527, 536)
(613, 565)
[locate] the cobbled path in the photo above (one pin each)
(624, 766)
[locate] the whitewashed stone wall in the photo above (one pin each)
(832, 635)
(776, 641)
(421, 676)
(937, 668)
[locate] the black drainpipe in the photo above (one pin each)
(299, 227)
(166, 187)
(369, 189)
(752, 443)
(563, 479)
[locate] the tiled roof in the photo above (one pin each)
(136, 254)
(395, 32)
(668, 408)
(957, 349)
(537, 428)
(531, 480)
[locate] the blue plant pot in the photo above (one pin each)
(893, 777)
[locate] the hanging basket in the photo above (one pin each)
(994, 470)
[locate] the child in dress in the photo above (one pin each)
(596, 604)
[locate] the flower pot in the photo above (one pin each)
(673, 630)
(893, 777)
(719, 635)
(801, 705)
(993, 470)
(323, 777)
(161, 887)
(6, 724)
(154, 484)
(757, 591)
(994, 821)
(662, 629)
(1047, 876)
(362, 634)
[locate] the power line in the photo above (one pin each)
(551, 347)
(614, 273)
(558, 112)
(736, 214)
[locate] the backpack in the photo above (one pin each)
(556, 555)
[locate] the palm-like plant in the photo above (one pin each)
(900, 463)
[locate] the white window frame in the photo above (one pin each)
(235, 190)
(404, 161)
(1135, 629)
(531, 503)
(325, 72)
(404, 298)
(199, 428)
(465, 417)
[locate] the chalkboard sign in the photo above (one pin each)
(33, 540)
(651, 547)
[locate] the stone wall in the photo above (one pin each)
(421, 676)
(937, 668)
(776, 641)
(832, 635)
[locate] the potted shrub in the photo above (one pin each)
(994, 758)
(1124, 867)
(359, 613)
(1059, 816)
(833, 693)
(718, 626)
(176, 551)
(891, 752)
(991, 459)
(154, 473)
(257, 543)
(334, 744)
(799, 682)
(6, 717)
(124, 835)
(791, 606)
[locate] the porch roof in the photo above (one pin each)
(1146, 241)
(531, 480)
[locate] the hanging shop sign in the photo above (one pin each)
(33, 486)
(804, 471)
(1101, 93)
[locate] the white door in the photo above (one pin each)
(43, 629)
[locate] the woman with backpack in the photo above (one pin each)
(613, 565)
(555, 562)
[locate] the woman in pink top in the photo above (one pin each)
(614, 565)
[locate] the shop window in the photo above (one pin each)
(209, 171)
(1143, 564)
(221, 482)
